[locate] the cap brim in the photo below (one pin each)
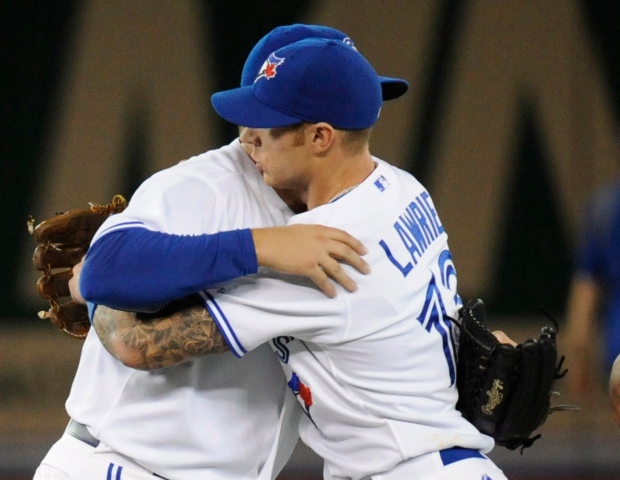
(392, 88)
(241, 107)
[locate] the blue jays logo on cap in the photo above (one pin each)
(269, 68)
(285, 35)
(323, 81)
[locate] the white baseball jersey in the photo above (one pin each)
(215, 417)
(374, 370)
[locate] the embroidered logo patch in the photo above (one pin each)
(303, 394)
(269, 68)
(381, 183)
(495, 397)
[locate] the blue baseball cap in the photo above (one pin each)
(279, 37)
(313, 80)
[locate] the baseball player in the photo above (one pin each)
(373, 370)
(594, 295)
(216, 417)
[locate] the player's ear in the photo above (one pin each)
(322, 137)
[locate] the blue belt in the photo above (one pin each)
(454, 454)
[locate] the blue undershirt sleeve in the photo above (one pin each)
(140, 270)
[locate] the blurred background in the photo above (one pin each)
(511, 121)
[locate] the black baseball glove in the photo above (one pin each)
(505, 391)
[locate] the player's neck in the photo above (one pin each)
(338, 177)
(292, 199)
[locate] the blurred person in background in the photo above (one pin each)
(593, 310)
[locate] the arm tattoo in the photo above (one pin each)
(152, 341)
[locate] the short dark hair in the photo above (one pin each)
(353, 140)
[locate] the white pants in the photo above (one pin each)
(72, 459)
(433, 466)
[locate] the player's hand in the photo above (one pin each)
(314, 251)
(74, 283)
(503, 338)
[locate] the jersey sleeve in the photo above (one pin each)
(253, 310)
(154, 251)
(171, 202)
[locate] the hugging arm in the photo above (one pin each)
(138, 269)
(181, 332)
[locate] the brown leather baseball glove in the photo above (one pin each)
(63, 241)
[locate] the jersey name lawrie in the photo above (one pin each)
(417, 227)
